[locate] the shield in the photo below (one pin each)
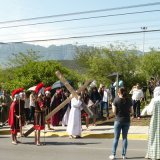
(59, 84)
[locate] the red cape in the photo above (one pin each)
(11, 114)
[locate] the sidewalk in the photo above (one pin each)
(135, 132)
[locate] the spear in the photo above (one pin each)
(20, 120)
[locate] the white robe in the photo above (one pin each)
(65, 117)
(153, 151)
(74, 121)
(148, 110)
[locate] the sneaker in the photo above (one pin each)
(38, 144)
(124, 157)
(146, 157)
(13, 142)
(71, 137)
(112, 157)
(1, 125)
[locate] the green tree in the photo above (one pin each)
(25, 71)
(101, 62)
(150, 64)
(35, 72)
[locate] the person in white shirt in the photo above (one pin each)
(32, 105)
(27, 106)
(105, 95)
(137, 96)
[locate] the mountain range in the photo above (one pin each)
(61, 53)
(53, 52)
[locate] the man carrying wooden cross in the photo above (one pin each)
(74, 122)
(74, 128)
(73, 94)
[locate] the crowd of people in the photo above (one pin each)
(23, 108)
(31, 107)
(97, 100)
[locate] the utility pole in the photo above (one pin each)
(144, 30)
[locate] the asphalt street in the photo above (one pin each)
(67, 149)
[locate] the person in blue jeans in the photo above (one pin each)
(122, 108)
(105, 97)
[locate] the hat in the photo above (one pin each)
(17, 91)
(47, 89)
(39, 88)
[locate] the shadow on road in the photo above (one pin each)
(60, 143)
(68, 143)
(135, 158)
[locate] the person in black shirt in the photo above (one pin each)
(95, 98)
(121, 107)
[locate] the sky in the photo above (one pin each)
(59, 28)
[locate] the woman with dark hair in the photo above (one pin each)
(121, 107)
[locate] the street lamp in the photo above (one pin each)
(144, 30)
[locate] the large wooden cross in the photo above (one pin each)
(73, 94)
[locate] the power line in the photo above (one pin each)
(80, 27)
(84, 12)
(87, 36)
(77, 19)
(77, 33)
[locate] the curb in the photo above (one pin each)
(4, 132)
(84, 135)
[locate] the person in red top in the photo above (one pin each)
(56, 101)
(13, 119)
(39, 115)
(39, 118)
(47, 102)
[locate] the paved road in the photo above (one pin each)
(67, 149)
